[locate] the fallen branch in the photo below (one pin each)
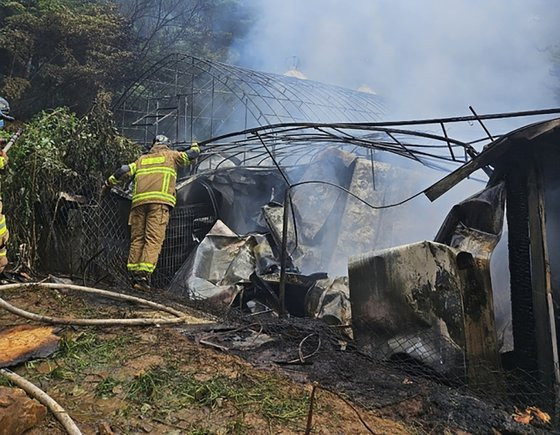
(310, 412)
(351, 406)
(35, 392)
(217, 346)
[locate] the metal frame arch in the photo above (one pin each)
(265, 98)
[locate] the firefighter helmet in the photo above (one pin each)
(4, 110)
(160, 138)
(4, 106)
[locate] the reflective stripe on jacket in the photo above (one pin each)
(155, 175)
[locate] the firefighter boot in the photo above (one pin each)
(142, 283)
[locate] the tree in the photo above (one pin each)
(62, 53)
(203, 28)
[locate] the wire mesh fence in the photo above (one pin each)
(89, 238)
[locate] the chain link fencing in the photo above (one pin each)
(88, 238)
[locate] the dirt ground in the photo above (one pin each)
(239, 374)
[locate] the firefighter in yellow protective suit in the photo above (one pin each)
(153, 197)
(4, 233)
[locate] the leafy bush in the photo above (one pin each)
(59, 152)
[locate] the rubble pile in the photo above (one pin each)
(238, 261)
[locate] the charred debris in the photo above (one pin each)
(331, 221)
(334, 222)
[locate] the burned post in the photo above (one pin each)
(284, 251)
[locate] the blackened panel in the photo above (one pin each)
(520, 261)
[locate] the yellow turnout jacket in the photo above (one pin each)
(155, 175)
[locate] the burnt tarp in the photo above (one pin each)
(475, 225)
(333, 224)
(329, 300)
(236, 194)
(362, 229)
(318, 207)
(222, 265)
(226, 266)
(432, 301)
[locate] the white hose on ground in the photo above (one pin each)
(180, 317)
(106, 293)
(59, 412)
(35, 392)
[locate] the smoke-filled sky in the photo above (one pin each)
(425, 57)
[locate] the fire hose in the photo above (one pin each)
(12, 140)
(36, 392)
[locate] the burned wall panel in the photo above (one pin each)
(523, 320)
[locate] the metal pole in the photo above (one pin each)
(177, 118)
(284, 176)
(481, 123)
(178, 100)
(372, 168)
(246, 110)
(157, 116)
(192, 98)
(187, 107)
(448, 143)
(212, 111)
(284, 252)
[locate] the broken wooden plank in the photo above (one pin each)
(490, 154)
(22, 343)
(545, 327)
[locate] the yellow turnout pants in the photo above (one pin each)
(148, 223)
(4, 235)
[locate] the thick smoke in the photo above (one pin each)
(427, 58)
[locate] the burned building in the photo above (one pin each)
(271, 214)
(526, 162)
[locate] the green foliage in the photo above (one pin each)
(59, 152)
(104, 389)
(61, 53)
(173, 389)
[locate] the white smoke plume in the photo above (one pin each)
(427, 58)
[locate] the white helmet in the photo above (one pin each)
(160, 138)
(4, 106)
(5, 110)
